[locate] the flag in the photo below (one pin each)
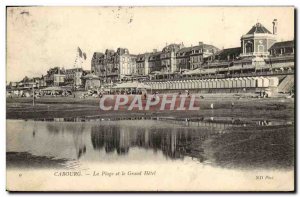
(79, 52)
(84, 56)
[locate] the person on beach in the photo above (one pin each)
(144, 94)
(154, 96)
(187, 93)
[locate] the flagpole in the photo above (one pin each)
(32, 95)
(76, 58)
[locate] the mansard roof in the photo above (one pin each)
(184, 51)
(187, 50)
(142, 57)
(109, 52)
(97, 55)
(171, 47)
(122, 51)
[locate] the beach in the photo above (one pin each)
(68, 107)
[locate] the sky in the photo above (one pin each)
(39, 38)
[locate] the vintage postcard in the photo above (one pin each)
(150, 99)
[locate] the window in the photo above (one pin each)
(260, 48)
(249, 47)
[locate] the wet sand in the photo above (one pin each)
(65, 107)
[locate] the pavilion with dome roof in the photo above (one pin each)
(258, 40)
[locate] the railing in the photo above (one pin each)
(254, 53)
(222, 76)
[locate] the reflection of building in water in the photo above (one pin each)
(124, 141)
(260, 144)
(54, 128)
(79, 144)
(174, 143)
(169, 143)
(146, 138)
(107, 139)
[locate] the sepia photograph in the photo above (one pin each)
(150, 99)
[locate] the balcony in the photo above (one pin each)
(254, 54)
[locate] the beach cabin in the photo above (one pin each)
(210, 83)
(179, 85)
(172, 85)
(197, 84)
(244, 82)
(169, 85)
(193, 84)
(219, 83)
(247, 82)
(214, 83)
(239, 82)
(175, 85)
(182, 85)
(201, 84)
(164, 85)
(259, 82)
(206, 83)
(253, 82)
(230, 82)
(190, 84)
(265, 82)
(234, 83)
(226, 83)
(223, 81)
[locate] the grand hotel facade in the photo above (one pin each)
(259, 52)
(259, 62)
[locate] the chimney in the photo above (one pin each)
(154, 50)
(200, 43)
(275, 23)
(181, 45)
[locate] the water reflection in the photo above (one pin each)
(211, 141)
(173, 142)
